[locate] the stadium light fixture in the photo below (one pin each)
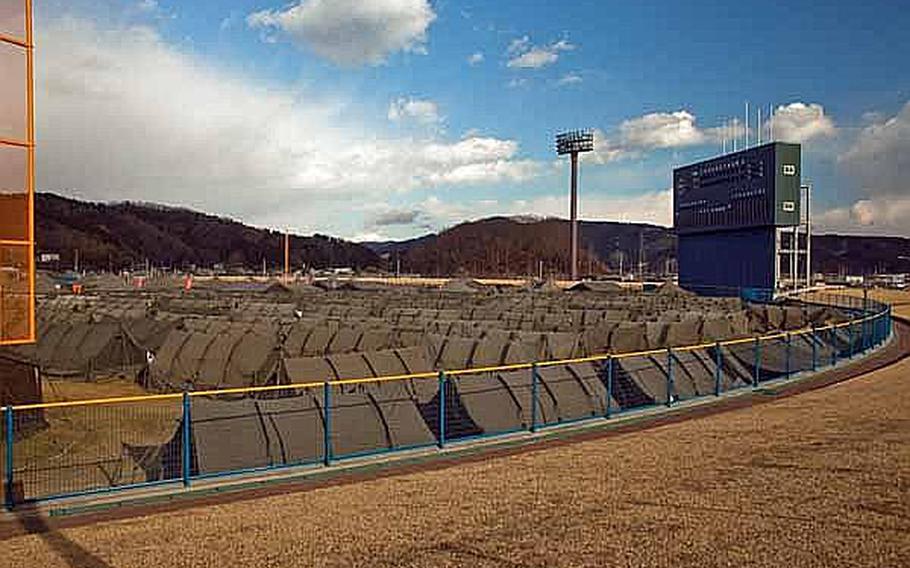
(573, 143)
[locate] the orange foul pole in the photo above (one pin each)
(17, 161)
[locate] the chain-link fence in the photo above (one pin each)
(63, 449)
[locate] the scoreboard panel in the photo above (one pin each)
(756, 187)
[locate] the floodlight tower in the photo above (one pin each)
(574, 143)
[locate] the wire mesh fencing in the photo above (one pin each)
(80, 449)
(63, 449)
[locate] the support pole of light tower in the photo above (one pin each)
(287, 257)
(573, 143)
(808, 189)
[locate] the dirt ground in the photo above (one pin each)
(818, 479)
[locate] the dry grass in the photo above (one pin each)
(67, 390)
(820, 479)
(899, 299)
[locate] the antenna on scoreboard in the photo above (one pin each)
(746, 127)
(758, 126)
(723, 135)
(771, 123)
(733, 134)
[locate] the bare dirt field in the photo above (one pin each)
(818, 479)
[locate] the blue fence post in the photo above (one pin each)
(187, 440)
(10, 499)
(443, 382)
(756, 375)
(327, 423)
(852, 349)
(669, 376)
(814, 349)
(535, 378)
(834, 347)
(718, 367)
(789, 354)
(609, 411)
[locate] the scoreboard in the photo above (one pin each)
(757, 187)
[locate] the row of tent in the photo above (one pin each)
(235, 433)
(396, 304)
(173, 352)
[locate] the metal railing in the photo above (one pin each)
(62, 449)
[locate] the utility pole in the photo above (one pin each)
(287, 257)
(641, 255)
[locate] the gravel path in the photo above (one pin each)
(818, 479)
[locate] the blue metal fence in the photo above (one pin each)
(85, 447)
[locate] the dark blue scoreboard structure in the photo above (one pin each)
(727, 212)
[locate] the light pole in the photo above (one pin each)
(574, 143)
(808, 189)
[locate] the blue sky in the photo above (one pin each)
(388, 118)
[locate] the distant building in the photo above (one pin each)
(737, 219)
(895, 281)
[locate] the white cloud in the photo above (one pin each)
(800, 122)
(879, 159)
(680, 129)
(475, 58)
(391, 217)
(352, 32)
(878, 162)
(657, 130)
(147, 5)
(124, 115)
(879, 215)
(153, 9)
(519, 45)
(421, 111)
(370, 237)
(662, 130)
(653, 207)
(606, 150)
(534, 59)
(524, 55)
(569, 79)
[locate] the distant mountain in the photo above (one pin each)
(860, 255)
(120, 235)
(524, 246)
(388, 248)
(517, 246)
